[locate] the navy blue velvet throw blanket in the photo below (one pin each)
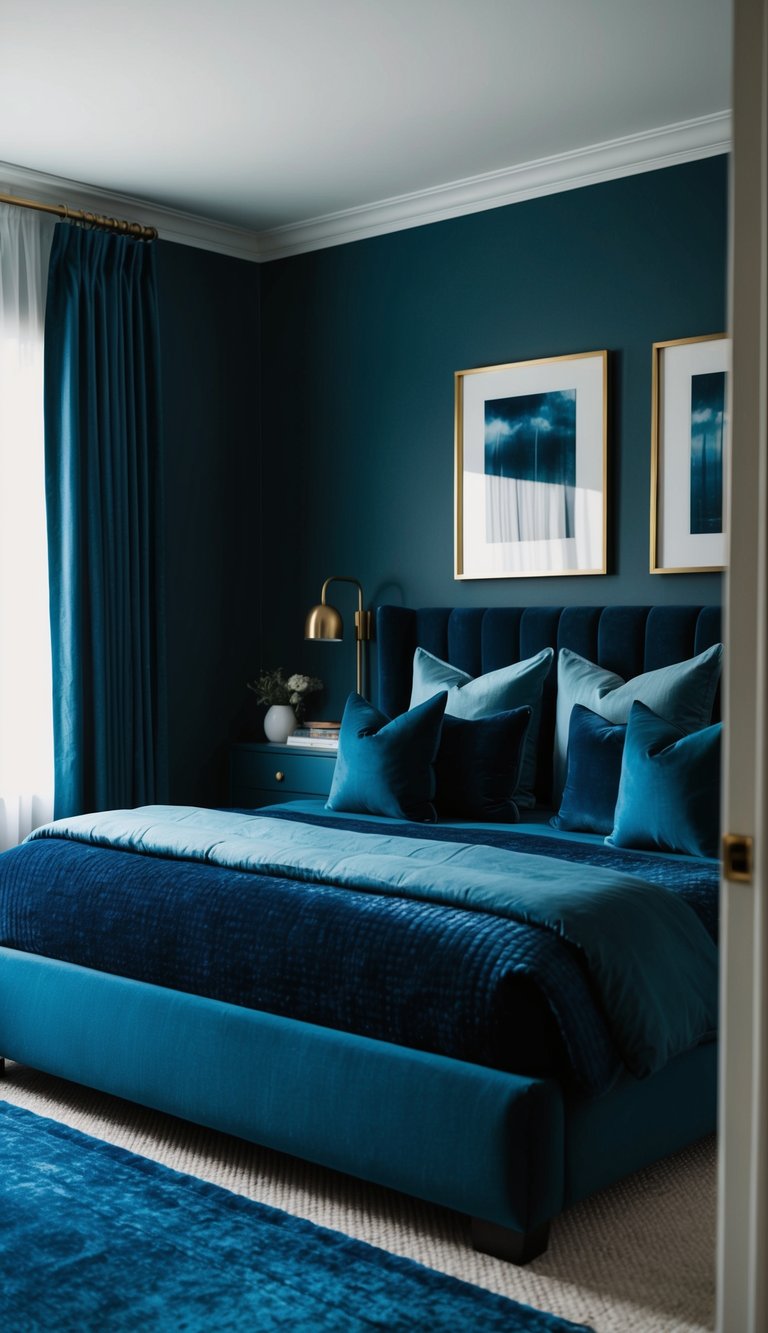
(464, 978)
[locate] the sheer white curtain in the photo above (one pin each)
(26, 732)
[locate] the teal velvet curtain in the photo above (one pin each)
(104, 510)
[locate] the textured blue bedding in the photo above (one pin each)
(694, 878)
(479, 984)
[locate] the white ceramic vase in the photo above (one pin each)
(279, 722)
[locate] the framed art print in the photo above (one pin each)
(531, 468)
(689, 444)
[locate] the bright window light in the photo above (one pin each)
(26, 733)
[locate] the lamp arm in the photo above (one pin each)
(343, 578)
(363, 624)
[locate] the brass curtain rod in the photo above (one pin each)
(79, 215)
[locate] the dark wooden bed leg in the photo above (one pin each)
(517, 1247)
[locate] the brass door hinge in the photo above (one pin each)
(737, 857)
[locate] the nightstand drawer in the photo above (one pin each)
(252, 797)
(262, 774)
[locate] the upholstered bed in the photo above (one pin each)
(501, 1017)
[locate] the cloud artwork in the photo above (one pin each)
(532, 437)
(707, 430)
(530, 466)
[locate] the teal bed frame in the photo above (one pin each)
(509, 1151)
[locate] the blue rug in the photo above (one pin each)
(95, 1238)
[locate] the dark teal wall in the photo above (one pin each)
(343, 361)
(360, 345)
(209, 318)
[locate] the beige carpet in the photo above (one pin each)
(637, 1258)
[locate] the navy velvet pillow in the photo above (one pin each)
(387, 768)
(669, 794)
(478, 766)
(595, 750)
(519, 685)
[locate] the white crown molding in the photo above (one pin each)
(665, 147)
(171, 223)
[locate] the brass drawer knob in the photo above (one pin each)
(279, 776)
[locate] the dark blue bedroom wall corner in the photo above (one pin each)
(299, 480)
(209, 313)
(360, 347)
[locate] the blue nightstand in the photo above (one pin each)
(262, 773)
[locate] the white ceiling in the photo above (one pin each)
(266, 113)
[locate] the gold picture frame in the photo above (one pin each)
(531, 468)
(689, 446)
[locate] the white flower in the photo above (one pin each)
(299, 685)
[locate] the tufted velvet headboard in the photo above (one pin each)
(624, 639)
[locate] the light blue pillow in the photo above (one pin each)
(669, 793)
(516, 686)
(682, 693)
(387, 768)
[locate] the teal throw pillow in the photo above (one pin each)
(595, 750)
(387, 768)
(682, 693)
(669, 793)
(478, 764)
(471, 697)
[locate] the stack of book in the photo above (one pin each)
(317, 735)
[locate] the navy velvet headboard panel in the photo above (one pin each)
(624, 639)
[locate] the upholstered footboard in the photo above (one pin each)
(503, 1148)
(477, 1140)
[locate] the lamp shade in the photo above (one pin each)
(323, 622)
